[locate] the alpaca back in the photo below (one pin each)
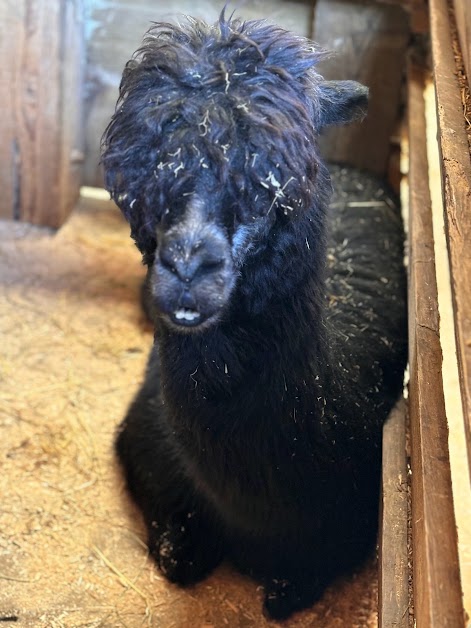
(366, 285)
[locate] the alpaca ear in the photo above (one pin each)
(341, 102)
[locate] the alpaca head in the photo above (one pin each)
(213, 147)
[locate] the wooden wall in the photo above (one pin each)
(41, 94)
(370, 41)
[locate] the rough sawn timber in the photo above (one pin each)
(393, 592)
(436, 582)
(456, 185)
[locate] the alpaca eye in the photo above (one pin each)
(167, 263)
(212, 264)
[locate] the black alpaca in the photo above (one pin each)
(256, 435)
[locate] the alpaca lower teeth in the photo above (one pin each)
(186, 315)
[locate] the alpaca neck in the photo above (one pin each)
(276, 313)
(288, 275)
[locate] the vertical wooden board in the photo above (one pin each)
(459, 462)
(72, 105)
(369, 40)
(114, 30)
(463, 23)
(437, 587)
(393, 591)
(40, 88)
(456, 177)
(10, 28)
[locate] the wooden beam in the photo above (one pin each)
(393, 593)
(460, 476)
(40, 126)
(436, 581)
(456, 175)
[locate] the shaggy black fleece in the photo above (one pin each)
(281, 326)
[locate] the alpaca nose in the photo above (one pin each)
(189, 265)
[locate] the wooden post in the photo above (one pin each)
(393, 598)
(456, 174)
(437, 588)
(41, 44)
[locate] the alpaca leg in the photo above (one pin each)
(185, 547)
(181, 534)
(285, 596)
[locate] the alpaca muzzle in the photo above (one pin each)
(194, 277)
(192, 265)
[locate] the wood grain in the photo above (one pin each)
(456, 176)
(437, 588)
(40, 123)
(370, 41)
(393, 593)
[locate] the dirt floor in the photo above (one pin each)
(73, 348)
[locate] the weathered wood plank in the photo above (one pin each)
(72, 79)
(110, 45)
(437, 588)
(456, 438)
(10, 28)
(40, 123)
(370, 41)
(463, 24)
(393, 594)
(456, 174)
